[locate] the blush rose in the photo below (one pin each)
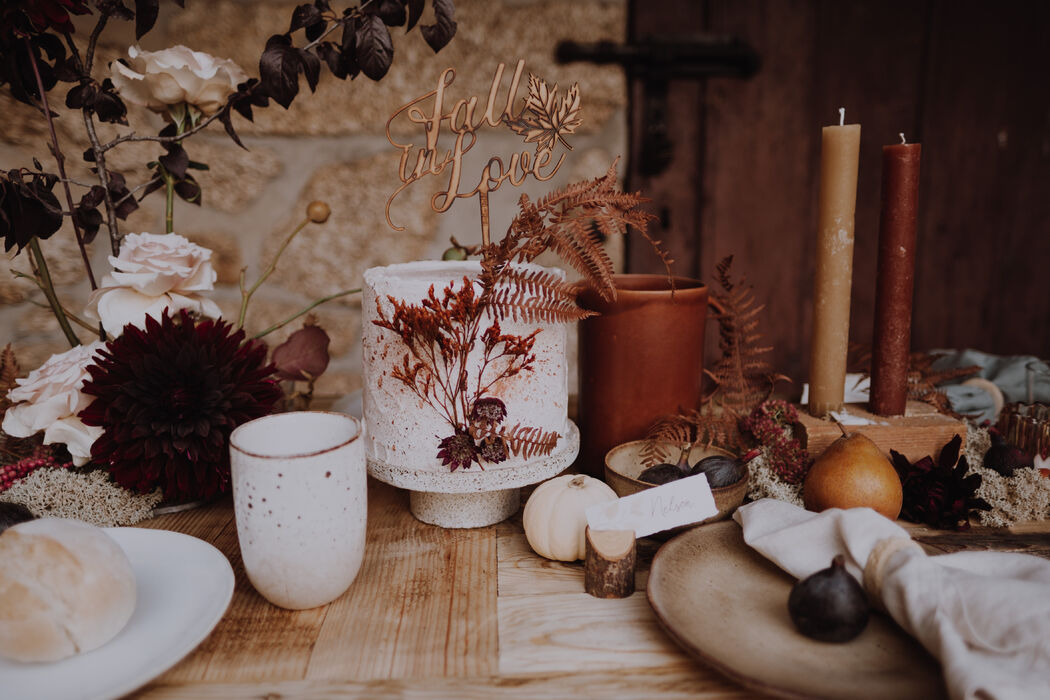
(153, 273)
(161, 79)
(50, 398)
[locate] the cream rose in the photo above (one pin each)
(159, 79)
(153, 273)
(50, 398)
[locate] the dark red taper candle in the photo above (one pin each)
(896, 278)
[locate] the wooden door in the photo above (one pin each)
(965, 78)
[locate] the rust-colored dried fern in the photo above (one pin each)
(525, 441)
(570, 222)
(743, 378)
(672, 433)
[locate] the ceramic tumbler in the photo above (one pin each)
(300, 502)
(640, 358)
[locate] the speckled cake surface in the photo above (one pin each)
(403, 430)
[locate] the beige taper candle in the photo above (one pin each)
(839, 155)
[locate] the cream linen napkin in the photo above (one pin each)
(985, 615)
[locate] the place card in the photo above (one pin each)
(682, 502)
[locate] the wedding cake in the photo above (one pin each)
(403, 428)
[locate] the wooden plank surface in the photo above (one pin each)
(422, 606)
(457, 614)
(653, 682)
(572, 631)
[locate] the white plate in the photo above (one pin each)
(184, 588)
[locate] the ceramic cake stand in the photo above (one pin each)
(472, 497)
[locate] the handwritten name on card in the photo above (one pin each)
(677, 503)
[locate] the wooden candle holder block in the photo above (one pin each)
(921, 431)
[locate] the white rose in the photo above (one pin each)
(159, 79)
(50, 398)
(153, 273)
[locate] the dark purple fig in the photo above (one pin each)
(12, 514)
(720, 470)
(830, 605)
(661, 474)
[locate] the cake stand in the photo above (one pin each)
(474, 497)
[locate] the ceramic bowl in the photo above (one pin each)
(623, 465)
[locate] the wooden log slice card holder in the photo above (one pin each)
(922, 431)
(608, 567)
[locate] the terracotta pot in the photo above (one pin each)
(641, 358)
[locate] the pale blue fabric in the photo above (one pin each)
(1006, 372)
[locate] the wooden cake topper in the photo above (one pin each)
(543, 120)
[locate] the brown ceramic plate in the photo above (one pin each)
(727, 606)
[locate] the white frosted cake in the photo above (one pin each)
(401, 428)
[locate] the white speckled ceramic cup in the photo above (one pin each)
(300, 500)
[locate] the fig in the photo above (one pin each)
(664, 473)
(12, 514)
(661, 474)
(830, 605)
(720, 470)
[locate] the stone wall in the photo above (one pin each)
(331, 146)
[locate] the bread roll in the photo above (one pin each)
(65, 588)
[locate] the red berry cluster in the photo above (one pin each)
(770, 424)
(10, 473)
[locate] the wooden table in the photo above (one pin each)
(440, 613)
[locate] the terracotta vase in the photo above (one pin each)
(641, 358)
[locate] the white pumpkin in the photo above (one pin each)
(555, 515)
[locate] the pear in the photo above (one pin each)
(853, 473)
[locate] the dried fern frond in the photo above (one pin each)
(534, 296)
(664, 436)
(743, 377)
(568, 222)
(708, 427)
(525, 441)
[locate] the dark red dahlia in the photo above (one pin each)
(168, 398)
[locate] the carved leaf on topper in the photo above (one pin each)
(544, 121)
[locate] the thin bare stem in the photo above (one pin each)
(93, 41)
(61, 161)
(46, 286)
(103, 178)
(285, 322)
(246, 294)
(132, 136)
